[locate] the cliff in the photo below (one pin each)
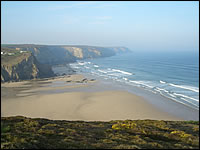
(120, 50)
(21, 65)
(62, 54)
(37, 133)
(85, 52)
(28, 61)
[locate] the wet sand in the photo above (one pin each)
(39, 99)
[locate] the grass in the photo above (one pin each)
(127, 134)
(16, 58)
(4, 128)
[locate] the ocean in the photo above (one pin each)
(174, 75)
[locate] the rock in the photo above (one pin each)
(84, 80)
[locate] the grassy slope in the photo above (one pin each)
(13, 59)
(21, 132)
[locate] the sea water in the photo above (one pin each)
(171, 74)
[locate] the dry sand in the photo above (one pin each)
(87, 106)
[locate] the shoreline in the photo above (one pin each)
(88, 101)
(160, 101)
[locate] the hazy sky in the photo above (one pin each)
(137, 25)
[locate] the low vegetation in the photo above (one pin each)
(15, 57)
(24, 133)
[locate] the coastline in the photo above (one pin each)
(76, 97)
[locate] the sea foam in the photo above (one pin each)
(141, 83)
(125, 79)
(189, 102)
(96, 66)
(124, 72)
(102, 71)
(162, 90)
(163, 82)
(186, 97)
(185, 87)
(113, 74)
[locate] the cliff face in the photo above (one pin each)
(119, 50)
(84, 52)
(62, 54)
(24, 66)
(52, 55)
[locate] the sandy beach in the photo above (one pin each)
(38, 99)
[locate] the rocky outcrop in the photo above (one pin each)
(25, 68)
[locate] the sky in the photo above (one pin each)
(140, 26)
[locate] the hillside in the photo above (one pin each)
(19, 65)
(25, 133)
(62, 54)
